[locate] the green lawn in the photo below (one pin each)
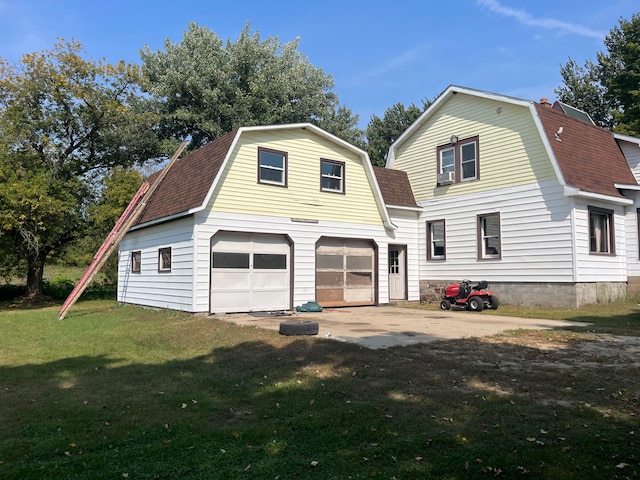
(123, 392)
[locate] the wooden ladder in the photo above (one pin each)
(120, 229)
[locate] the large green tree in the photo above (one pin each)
(609, 90)
(382, 132)
(64, 121)
(206, 87)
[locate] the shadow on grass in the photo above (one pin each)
(315, 408)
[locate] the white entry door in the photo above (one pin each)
(250, 272)
(397, 272)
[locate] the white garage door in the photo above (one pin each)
(250, 272)
(345, 272)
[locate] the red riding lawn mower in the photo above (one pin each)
(473, 298)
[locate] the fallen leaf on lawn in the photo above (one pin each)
(531, 439)
(314, 463)
(419, 459)
(247, 467)
(622, 465)
(543, 431)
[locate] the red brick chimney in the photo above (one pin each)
(545, 102)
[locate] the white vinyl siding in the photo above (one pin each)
(631, 152)
(304, 237)
(167, 289)
(535, 236)
(600, 268)
(408, 234)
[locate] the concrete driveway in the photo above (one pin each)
(388, 326)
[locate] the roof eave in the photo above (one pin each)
(570, 191)
(404, 207)
(169, 218)
(627, 138)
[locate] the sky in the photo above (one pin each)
(379, 53)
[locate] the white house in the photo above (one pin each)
(532, 197)
(269, 218)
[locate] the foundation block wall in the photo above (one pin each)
(538, 294)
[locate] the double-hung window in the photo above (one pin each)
(458, 161)
(272, 167)
(489, 244)
(164, 259)
(331, 176)
(601, 239)
(436, 244)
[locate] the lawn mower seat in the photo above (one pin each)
(483, 285)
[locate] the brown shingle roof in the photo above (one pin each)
(589, 156)
(187, 182)
(395, 187)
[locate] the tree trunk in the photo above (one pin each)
(35, 275)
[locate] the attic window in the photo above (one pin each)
(331, 176)
(458, 162)
(272, 167)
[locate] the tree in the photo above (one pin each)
(582, 89)
(381, 133)
(64, 121)
(609, 90)
(620, 74)
(206, 89)
(119, 185)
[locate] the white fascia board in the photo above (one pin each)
(627, 186)
(576, 192)
(386, 219)
(438, 102)
(408, 209)
(627, 138)
(157, 221)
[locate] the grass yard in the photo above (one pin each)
(122, 392)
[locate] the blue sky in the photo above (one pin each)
(378, 52)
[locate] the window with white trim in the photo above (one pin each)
(601, 239)
(331, 176)
(164, 259)
(436, 243)
(460, 159)
(489, 242)
(272, 167)
(136, 261)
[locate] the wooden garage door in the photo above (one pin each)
(250, 272)
(345, 272)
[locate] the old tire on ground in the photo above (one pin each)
(445, 305)
(494, 303)
(299, 327)
(475, 304)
